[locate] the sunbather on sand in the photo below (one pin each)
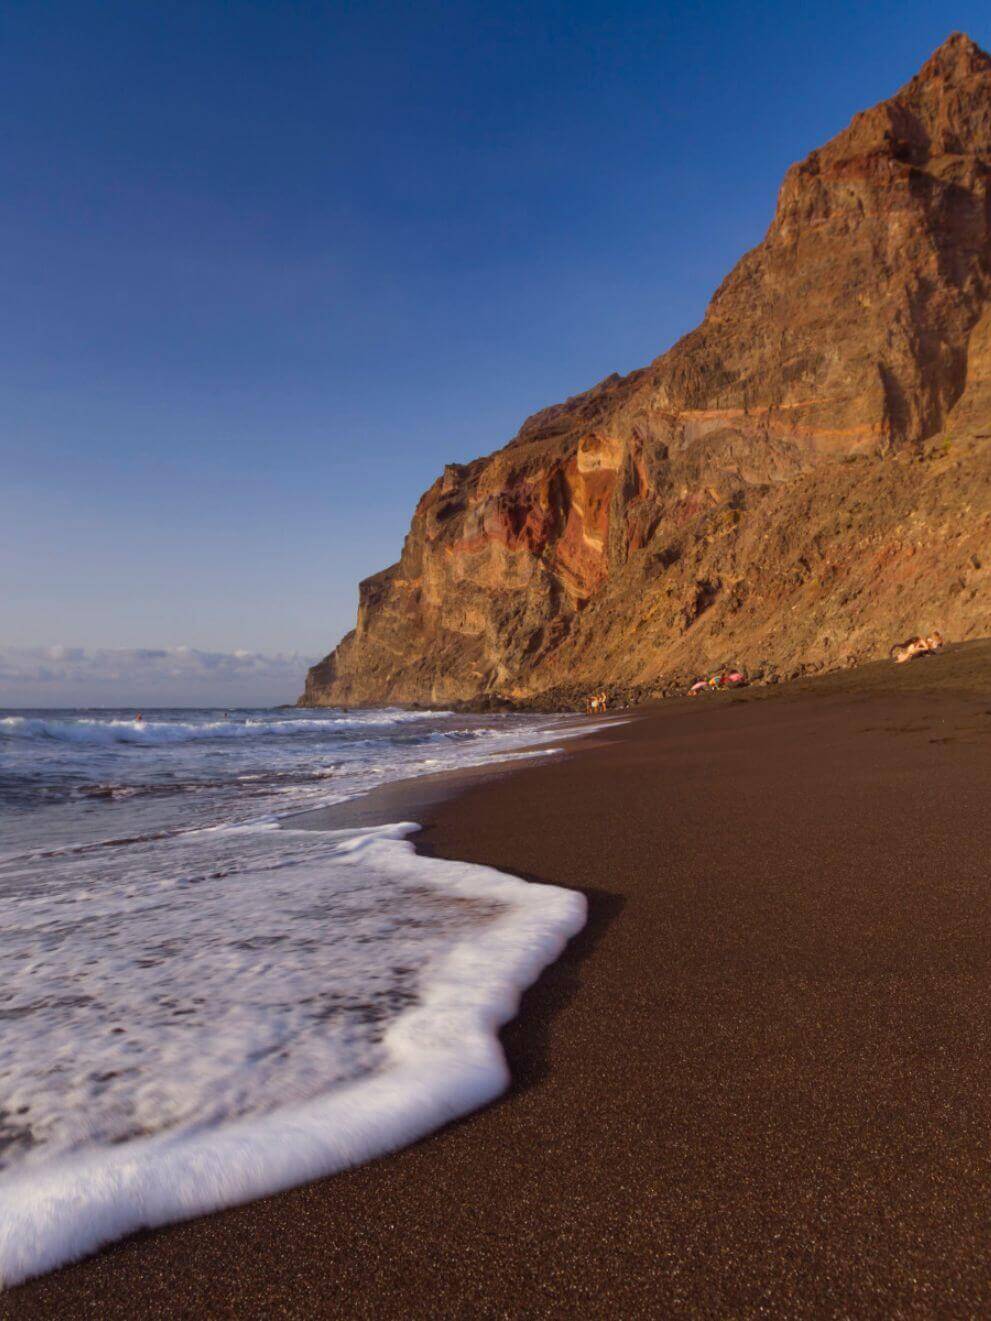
(920, 646)
(905, 651)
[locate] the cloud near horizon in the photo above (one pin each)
(77, 676)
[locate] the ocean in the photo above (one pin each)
(200, 1002)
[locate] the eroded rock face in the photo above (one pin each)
(796, 483)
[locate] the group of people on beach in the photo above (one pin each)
(722, 679)
(922, 645)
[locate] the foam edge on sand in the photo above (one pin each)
(445, 1060)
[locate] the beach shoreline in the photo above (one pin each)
(417, 797)
(756, 1080)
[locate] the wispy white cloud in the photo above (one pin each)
(77, 676)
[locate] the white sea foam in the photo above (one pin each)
(197, 1006)
(485, 937)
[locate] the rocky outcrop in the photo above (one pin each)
(797, 482)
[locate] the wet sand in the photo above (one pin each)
(758, 1083)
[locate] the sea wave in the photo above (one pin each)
(156, 733)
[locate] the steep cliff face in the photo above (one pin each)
(794, 484)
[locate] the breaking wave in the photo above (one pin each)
(161, 732)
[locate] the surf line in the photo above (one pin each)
(444, 1060)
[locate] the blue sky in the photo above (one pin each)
(267, 267)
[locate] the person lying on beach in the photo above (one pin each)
(706, 685)
(919, 646)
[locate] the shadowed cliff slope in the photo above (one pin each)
(795, 484)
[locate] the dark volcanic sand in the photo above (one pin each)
(758, 1083)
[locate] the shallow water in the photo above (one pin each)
(173, 963)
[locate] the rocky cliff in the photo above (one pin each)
(795, 484)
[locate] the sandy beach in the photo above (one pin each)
(756, 1084)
